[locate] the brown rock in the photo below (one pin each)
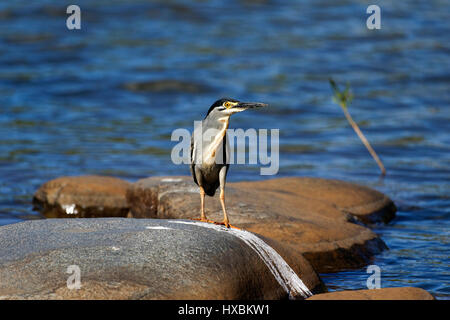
(82, 197)
(404, 293)
(315, 216)
(368, 205)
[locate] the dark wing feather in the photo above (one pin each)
(192, 161)
(225, 152)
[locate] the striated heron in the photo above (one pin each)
(209, 156)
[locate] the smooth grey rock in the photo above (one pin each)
(135, 259)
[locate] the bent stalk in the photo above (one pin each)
(343, 99)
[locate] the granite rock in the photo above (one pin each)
(138, 259)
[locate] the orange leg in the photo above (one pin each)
(202, 201)
(226, 222)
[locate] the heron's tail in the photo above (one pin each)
(210, 192)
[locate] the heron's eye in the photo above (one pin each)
(227, 104)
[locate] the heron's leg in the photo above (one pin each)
(202, 202)
(226, 222)
(222, 180)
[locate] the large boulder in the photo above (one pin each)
(402, 293)
(145, 259)
(321, 219)
(82, 197)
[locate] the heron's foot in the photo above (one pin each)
(227, 225)
(204, 219)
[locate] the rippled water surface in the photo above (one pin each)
(105, 99)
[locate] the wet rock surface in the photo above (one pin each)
(403, 293)
(319, 218)
(82, 197)
(137, 259)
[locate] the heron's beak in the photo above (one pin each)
(241, 106)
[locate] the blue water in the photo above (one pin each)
(69, 103)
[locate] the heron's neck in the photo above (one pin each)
(218, 138)
(223, 127)
(225, 121)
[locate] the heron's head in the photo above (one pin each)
(228, 106)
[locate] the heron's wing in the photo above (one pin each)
(192, 167)
(225, 150)
(226, 147)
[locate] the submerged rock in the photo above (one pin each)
(167, 86)
(403, 293)
(82, 197)
(320, 218)
(140, 259)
